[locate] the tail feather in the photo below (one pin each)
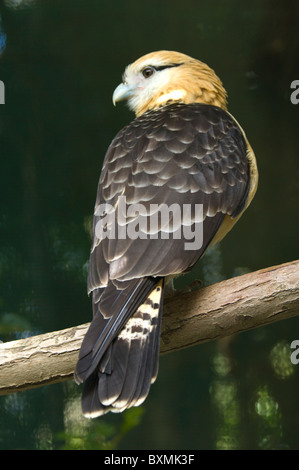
(110, 382)
(151, 353)
(129, 364)
(91, 399)
(107, 324)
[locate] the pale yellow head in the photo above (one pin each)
(161, 76)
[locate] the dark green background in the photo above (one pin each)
(60, 62)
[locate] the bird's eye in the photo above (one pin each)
(147, 72)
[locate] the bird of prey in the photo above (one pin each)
(183, 150)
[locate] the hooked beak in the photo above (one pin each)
(122, 93)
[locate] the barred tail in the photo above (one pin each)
(129, 365)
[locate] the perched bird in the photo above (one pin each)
(183, 149)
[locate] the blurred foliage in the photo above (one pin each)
(100, 435)
(60, 62)
(271, 434)
(12, 325)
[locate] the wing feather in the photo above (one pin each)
(179, 154)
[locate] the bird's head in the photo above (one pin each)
(163, 76)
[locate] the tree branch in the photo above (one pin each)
(209, 313)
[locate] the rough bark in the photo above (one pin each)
(209, 313)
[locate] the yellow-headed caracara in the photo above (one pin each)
(183, 148)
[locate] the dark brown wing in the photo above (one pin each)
(180, 154)
(180, 157)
